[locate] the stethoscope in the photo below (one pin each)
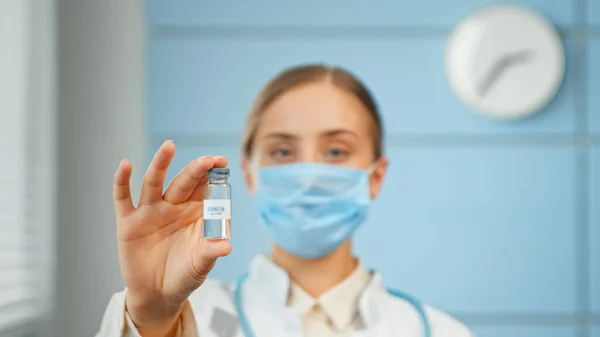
(245, 325)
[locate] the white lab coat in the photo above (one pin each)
(264, 297)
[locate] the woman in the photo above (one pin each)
(313, 161)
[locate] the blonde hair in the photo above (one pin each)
(296, 76)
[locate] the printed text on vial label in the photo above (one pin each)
(217, 209)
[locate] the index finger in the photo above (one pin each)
(198, 194)
(186, 181)
(220, 161)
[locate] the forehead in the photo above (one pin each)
(315, 108)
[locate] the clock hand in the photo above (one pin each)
(493, 75)
(522, 56)
(499, 68)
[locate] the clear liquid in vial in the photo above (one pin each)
(217, 205)
(217, 229)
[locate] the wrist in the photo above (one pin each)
(154, 320)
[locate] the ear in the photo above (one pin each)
(376, 179)
(248, 176)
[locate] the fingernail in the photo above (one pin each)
(217, 157)
(201, 159)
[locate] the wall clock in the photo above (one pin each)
(505, 61)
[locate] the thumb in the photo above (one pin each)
(206, 255)
(213, 249)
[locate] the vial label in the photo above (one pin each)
(217, 209)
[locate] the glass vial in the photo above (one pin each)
(217, 205)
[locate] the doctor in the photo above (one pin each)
(313, 161)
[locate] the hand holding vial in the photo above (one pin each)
(162, 253)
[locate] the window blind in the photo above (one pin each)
(17, 235)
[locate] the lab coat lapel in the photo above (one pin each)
(265, 295)
(384, 315)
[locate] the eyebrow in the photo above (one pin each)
(328, 133)
(336, 132)
(284, 135)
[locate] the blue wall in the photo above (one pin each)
(498, 223)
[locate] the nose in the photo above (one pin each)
(310, 153)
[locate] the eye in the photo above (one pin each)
(282, 153)
(336, 154)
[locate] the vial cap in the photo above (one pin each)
(218, 170)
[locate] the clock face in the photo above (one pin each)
(505, 61)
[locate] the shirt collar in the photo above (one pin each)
(300, 300)
(340, 303)
(271, 286)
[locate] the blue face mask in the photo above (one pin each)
(311, 209)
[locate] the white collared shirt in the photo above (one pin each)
(271, 311)
(334, 313)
